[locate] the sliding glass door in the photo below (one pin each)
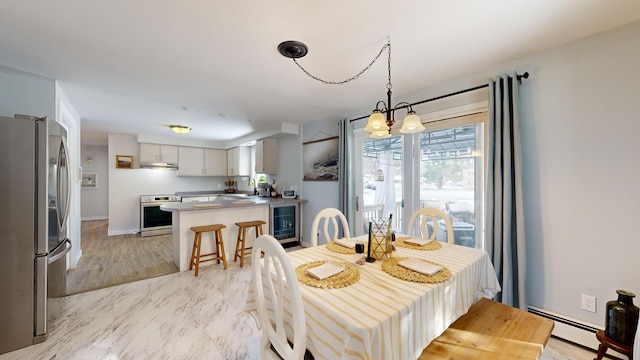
(451, 175)
(441, 167)
(379, 180)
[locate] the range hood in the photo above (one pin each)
(158, 165)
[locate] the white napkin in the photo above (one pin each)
(325, 270)
(418, 241)
(348, 243)
(420, 266)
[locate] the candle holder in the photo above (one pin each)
(380, 247)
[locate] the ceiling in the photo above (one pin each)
(133, 67)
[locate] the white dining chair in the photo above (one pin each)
(430, 216)
(328, 219)
(275, 279)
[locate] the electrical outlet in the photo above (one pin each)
(588, 303)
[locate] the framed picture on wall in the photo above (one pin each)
(124, 162)
(320, 159)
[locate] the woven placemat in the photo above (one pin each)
(392, 268)
(432, 245)
(337, 248)
(349, 276)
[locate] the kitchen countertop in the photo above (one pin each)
(213, 193)
(225, 201)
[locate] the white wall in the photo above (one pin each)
(580, 150)
(26, 94)
(321, 194)
(580, 126)
(95, 201)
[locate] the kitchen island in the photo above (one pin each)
(222, 209)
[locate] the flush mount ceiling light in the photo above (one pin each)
(378, 125)
(180, 129)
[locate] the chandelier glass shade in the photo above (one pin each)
(411, 123)
(376, 122)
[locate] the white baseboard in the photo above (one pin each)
(87, 218)
(123, 232)
(576, 331)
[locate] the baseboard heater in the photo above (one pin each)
(572, 330)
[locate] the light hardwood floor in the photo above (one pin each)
(113, 260)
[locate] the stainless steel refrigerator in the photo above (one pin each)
(33, 226)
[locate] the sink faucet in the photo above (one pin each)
(252, 181)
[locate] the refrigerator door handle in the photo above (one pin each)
(56, 257)
(63, 183)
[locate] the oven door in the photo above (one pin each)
(154, 221)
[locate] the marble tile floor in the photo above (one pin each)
(175, 316)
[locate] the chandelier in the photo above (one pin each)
(378, 125)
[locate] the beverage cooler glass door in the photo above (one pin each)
(285, 223)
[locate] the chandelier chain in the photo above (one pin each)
(328, 82)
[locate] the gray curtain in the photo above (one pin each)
(346, 183)
(505, 236)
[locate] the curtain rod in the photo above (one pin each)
(518, 76)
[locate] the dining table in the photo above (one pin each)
(381, 315)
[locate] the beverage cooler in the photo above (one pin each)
(285, 223)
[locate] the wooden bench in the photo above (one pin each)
(491, 330)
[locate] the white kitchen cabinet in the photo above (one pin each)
(239, 161)
(202, 162)
(157, 153)
(215, 162)
(266, 156)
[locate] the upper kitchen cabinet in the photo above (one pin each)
(202, 162)
(215, 162)
(239, 161)
(266, 156)
(156, 153)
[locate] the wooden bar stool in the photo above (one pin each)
(241, 249)
(196, 257)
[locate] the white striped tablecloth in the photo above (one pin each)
(383, 317)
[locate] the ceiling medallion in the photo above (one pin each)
(293, 49)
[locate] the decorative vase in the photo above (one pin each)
(622, 318)
(380, 248)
